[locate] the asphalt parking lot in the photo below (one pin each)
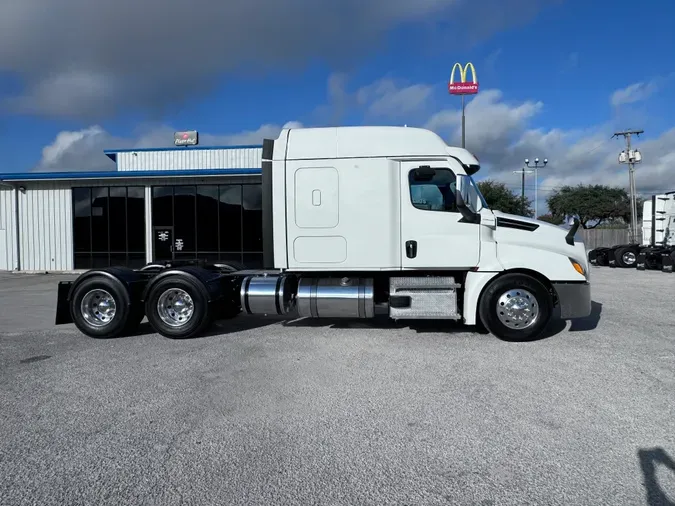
(271, 412)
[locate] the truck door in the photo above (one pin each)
(434, 234)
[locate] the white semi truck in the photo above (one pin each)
(359, 221)
(657, 249)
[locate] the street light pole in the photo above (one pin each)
(536, 167)
(522, 172)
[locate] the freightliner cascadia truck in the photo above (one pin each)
(358, 222)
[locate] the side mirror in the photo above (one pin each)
(466, 197)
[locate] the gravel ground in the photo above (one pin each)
(270, 412)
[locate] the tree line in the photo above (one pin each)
(594, 205)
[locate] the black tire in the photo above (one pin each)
(523, 285)
(652, 263)
(625, 257)
(592, 256)
(90, 321)
(200, 318)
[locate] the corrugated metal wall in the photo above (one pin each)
(187, 159)
(7, 230)
(46, 230)
(46, 220)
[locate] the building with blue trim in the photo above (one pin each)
(158, 204)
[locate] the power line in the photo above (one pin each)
(598, 146)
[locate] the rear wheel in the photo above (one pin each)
(516, 307)
(178, 308)
(625, 257)
(100, 308)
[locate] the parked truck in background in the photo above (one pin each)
(657, 249)
(358, 221)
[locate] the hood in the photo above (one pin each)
(515, 229)
(530, 221)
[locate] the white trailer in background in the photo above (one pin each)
(359, 221)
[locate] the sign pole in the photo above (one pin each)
(463, 88)
(463, 125)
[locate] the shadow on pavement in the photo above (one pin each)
(590, 322)
(221, 327)
(649, 458)
(382, 322)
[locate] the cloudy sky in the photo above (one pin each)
(557, 78)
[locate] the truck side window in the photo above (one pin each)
(433, 192)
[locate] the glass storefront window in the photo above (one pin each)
(108, 226)
(214, 223)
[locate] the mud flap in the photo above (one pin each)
(641, 260)
(62, 303)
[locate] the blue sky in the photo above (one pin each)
(556, 72)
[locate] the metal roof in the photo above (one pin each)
(112, 153)
(70, 176)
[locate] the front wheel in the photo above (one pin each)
(516, 307)
(178, 308)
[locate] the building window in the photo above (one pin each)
(217, 223)
(109, 226)
(433, 192)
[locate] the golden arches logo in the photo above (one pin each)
(463, 87)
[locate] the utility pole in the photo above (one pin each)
(522, 173)
(631, 157)
(536, 166)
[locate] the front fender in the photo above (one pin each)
(550, 264)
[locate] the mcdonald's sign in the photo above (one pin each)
(463, 87)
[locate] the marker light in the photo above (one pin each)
(577, 267)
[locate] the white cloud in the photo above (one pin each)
(83, 149)
(86, 59)
(491, 124)
(636, 92)
(500, 132)
(388, 99)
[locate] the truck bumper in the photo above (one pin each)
(574, 299)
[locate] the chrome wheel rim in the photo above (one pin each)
(517, 309)
(175, 307)
(98, 308)
(629, 257)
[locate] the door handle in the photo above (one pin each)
(411, 249)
